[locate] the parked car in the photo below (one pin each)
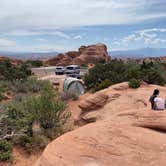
(72, 69)
(59, 70)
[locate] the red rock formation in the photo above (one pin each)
(156, 59)
(85, 55)
(13, 61)
(125, 131)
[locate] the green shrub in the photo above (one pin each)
(20, 86)
(5, 86)
(40, 141)
(68, 96)
(133, 83)
(11, 72)
(34, 63)
(75, 97)
(119, 71)
(104, 84)
(5, 151)
(45, 108)
(50, 111)
(153, 76)
(24, 140)
(113, 71)
(1, 96)
(31, 85)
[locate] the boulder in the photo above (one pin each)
(106, 143)
(124, 131)
(93, 102)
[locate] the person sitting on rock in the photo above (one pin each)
(157, 103)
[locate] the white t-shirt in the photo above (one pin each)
(160, 103)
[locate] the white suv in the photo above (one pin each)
(59, 70)
(72, 69)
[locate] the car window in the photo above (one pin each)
(69, 68)
(59, 68)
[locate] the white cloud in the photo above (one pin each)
(78, 37)
(35, 33)
(152, 30)
(39, 48)
(147, 37)
(154, 41)
(10, 45)
(41, 39)
(115, 43)
(21, 14)
(129, 38)
(60, 34)
(7, 43)
(49, 48)
(150, 36)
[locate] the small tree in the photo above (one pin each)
(51, 111)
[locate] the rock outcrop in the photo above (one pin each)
(125, 132)
(155, 59)
(85, 55)
(13, 61)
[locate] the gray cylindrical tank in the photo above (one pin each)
(73, 86)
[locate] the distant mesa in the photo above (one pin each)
(13, 61)
(156, 59)
(84, 55)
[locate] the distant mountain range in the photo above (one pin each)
(137, 53)
(28, 55)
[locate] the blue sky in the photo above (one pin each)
(50, 25)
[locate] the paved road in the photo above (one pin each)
(43, 71)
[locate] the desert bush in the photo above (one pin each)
(34, 63)
(134, 83)
(50, 111)
(20, 86)
(68, 96)
(46, 108)
(5, 86)
(113, 71)
(153, 77)
(1, 96)
(132, 70)
(153, 73)
(75, 97)
(5, 151)
(118, 71)
(12, 72)
(40, 141)
(31, 85)
(102, 85)
(102, 61)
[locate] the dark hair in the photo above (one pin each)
(156, 92)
